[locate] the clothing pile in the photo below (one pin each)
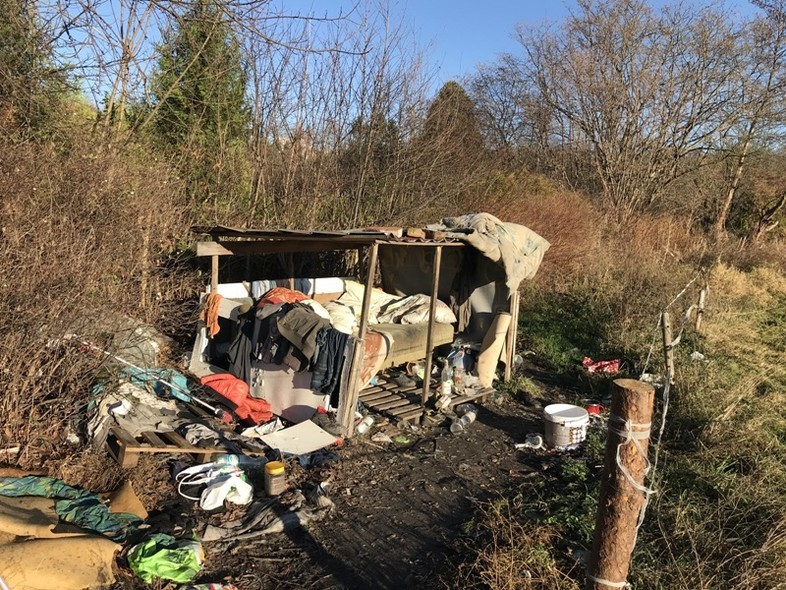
(287, 328)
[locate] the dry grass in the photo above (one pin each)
(84, 229)
(718, 520)
(567, 220)
(513, 555)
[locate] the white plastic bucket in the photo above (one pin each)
(565, 425)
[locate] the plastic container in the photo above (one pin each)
(462, 409)
(446, 387)
(467, 414)
(565, 426)
(365, 424)
(275, 478)
(242, 461)
(458, 377)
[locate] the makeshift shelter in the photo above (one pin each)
(449, 283)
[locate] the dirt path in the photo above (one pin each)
(399, 509)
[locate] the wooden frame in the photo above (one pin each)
(262, 242)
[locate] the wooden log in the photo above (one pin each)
(621, 502)
(432, 309)
(700, 307)
(668, 348)
(416, 232)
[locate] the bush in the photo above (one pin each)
(87, 229)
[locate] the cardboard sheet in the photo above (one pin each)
(300, 439)
(124, 499)
(32, 516)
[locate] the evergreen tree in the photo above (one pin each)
(451, 146)
(452, 124)
(200, 106)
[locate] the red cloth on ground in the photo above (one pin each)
(280, 295)
(236, 390)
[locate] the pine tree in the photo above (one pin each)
(200, 106)
(452, 124)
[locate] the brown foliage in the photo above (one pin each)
(566, 219)
(82, 231)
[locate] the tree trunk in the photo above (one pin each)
(723, 214)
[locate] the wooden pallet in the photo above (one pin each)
(126, 448)
(404, 403)
(401, 404)
(479, 395)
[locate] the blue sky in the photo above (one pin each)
(463, 33)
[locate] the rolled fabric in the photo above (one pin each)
(493, 343)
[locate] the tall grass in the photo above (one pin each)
(718, 520)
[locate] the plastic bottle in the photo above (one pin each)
(459, 425)
(365, 424)
(241, 461)
(275, 478)
(462, 409)
(447, 380)
(458, 377)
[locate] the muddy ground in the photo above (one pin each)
(399, 509)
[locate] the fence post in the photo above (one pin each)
(668, 348)
(621, 502)
(700, 307)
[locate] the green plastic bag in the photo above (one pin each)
(163, 556)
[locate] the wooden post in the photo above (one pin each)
(432, 309)
(668, 349)
(700, 307)
(620, 502)
(291, 270)
(510, 341)
(213, 274)
(347, 406)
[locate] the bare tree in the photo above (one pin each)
(760, 106)
(647, 96)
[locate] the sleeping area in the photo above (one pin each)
(316, 337)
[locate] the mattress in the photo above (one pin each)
(409, 340)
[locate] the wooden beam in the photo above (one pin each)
(347, 416)
(214, 274)
(510, 341)
(258, 247)
(668, 348)
(700, 307)
(372, 267)
(432, 308)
